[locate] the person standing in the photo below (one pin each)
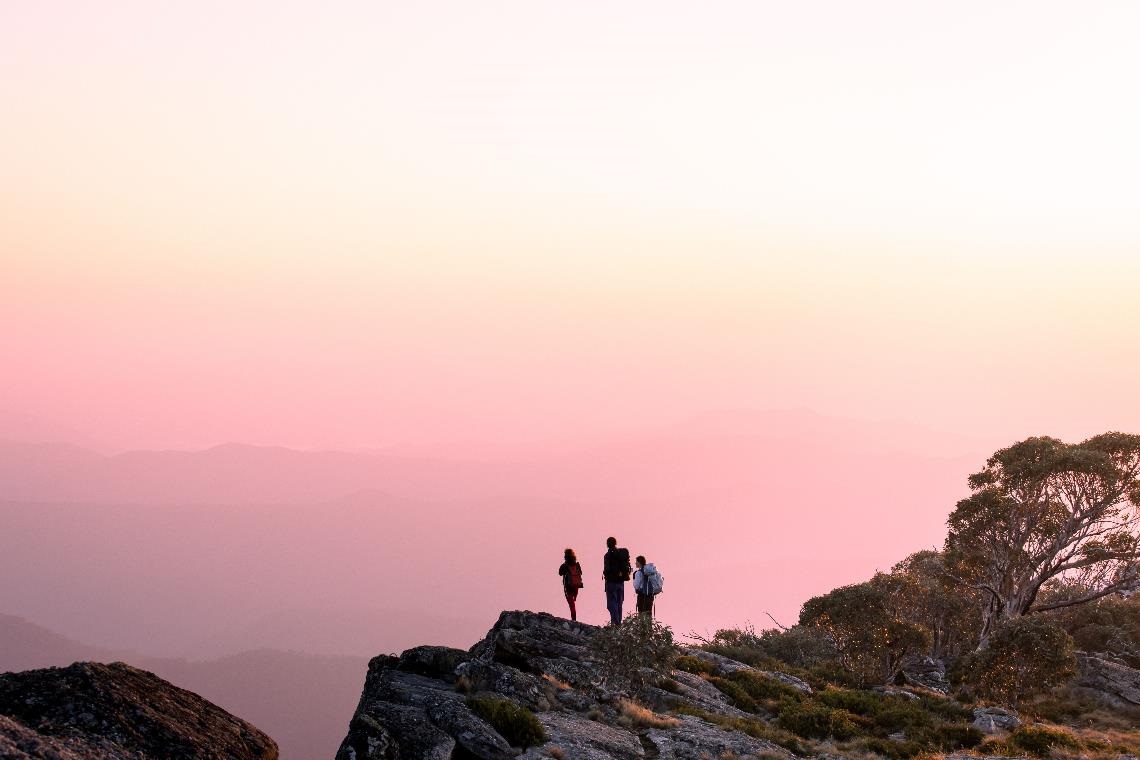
(571, 573)
(615, 572)
(643, 586)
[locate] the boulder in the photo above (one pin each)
(579, 738)
(1110, 680)
(992, 720)
(696, 739)
(927, 673)
(407, 715)
(95, 710)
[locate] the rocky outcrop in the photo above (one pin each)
(419, 705)
(927, 673)
(103, 712)
(1110, 680)
(993, 720)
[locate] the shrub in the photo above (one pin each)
(639, 642)
(1038, 741)
(514, 722)
(762, 688)
(813, 721)
(1026, 655)
(696, 665)
(735, 692)
(948, 737)
(891, 749)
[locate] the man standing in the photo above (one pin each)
(615, 572)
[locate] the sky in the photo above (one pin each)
(358, 225)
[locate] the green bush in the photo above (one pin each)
(639, 642)
(740, 698)
(763, 688)
(851, 700)
(891, 749)
(514, 722)
(814, 721)
(1038, 741)
(945, 709)
(696, 665)
(1026, 655)
(951, 736)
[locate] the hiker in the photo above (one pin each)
(647, 583)
(571, 573)
(615, 571)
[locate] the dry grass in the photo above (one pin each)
(556, 752)
(633, 715)
(555, 682)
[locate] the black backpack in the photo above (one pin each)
(617, 564)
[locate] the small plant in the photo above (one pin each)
(515, 723)
(695, 665)
(736, 693)
(817, 721)
(633, 715)
(1037, 740)
(556, 752)
(638, 643)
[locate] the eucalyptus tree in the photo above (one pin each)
(1044, 513)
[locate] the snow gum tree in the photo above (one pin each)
(1046, 513)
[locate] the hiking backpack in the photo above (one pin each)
(654, 583)
(573, 576)
(618, 561)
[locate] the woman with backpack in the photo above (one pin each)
(646, 582)
(571, 573)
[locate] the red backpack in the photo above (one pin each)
(574, 576)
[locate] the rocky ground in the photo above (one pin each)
(416, 705)
(425, 702)
(116, 712)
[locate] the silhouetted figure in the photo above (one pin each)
(571, 573)
(644, 585)
(615, 571)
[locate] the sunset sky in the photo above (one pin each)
(366, 224)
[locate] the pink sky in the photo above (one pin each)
(530, 227)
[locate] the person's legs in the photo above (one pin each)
(571, 599)
(645, 604)
(615, 595)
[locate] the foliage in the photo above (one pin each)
(514, 722)
(735, 693)
(1038, 740)
(1110, 624)
(640, 642)
(1043, 510)
(871, 638)
(815, 721)
(696, 665)
(926, 594)
(798, 646)
(1026, 655)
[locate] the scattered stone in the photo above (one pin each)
(992, 720)
(894, 691)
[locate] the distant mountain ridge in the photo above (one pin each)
(241, 474)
